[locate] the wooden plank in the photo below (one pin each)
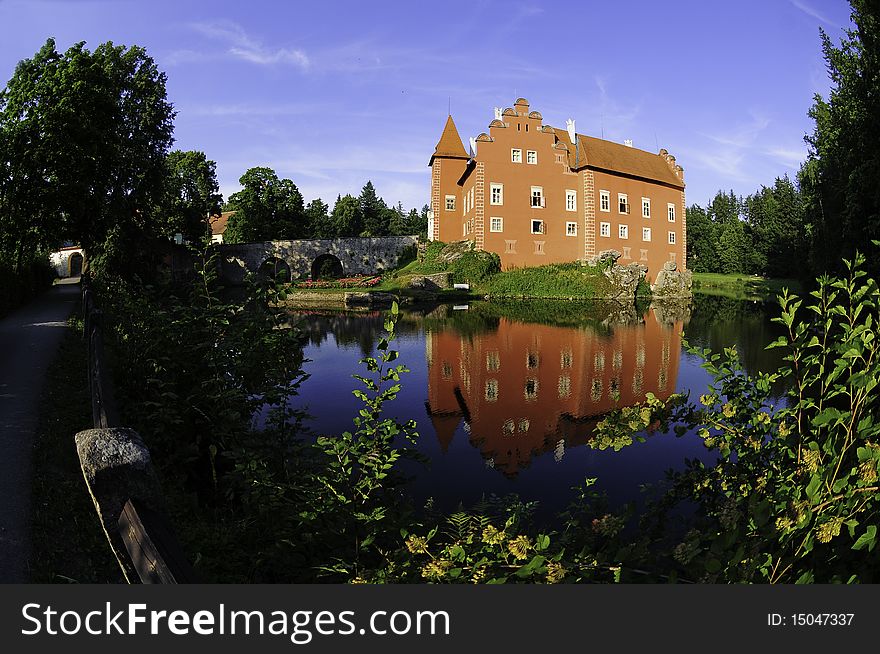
(154, 550)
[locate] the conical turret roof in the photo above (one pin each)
(450, 146)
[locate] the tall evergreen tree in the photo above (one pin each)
(840, 180)
(702, 240)
(374, 212)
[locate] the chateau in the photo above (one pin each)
(536, 194)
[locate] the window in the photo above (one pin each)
(622, 203)
(496, 224)
(510, 247)
(531, 391)
(516, 155)
(537, 197)
(565, 359)
(539, 247)
(623, 231)
(531, 360)
(491, 390)
(646, 233)
(493, 361)
(571, 229)
(571, 201)
(450, 203)
(604, 229)
(671, 238)
(604, 201)
(646, 208)
(496, 194)
(564, 386)
(670, 212)
(538, 227)
(558, 158)
(531, 157)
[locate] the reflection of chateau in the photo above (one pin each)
(526, 389)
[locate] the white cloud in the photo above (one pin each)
(241, 45)
(813, 13)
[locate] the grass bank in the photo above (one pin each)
(743, 287)
(67, 542)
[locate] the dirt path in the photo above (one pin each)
(29, 340)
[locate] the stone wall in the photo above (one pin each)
(358, 256)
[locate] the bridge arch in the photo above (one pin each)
(274, 269)
(327, 265)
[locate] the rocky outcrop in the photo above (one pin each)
(377, 300)
(431, 282)
(672, 283)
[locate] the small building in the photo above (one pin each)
(537, 194)
(68, 261)
(217, 224)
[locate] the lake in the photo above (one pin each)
(506, 396)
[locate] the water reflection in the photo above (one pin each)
(523, 389)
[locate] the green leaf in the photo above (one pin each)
(868, 539)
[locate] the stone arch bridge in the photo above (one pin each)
(304, 259)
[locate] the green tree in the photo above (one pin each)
(347, 219)
(702, 240)
(85, 137)
(374, 211)
(840, 178)
(318, 220)
(775, 217)
(733, 248)
(266, 209)
(191, 194)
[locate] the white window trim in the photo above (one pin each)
(623, 232)
(603, 228)
(605, 195)
(446, 203)
(500, 188)
(646, 231)
(540, 190)
(568, 232)
(646, 204)
(671, 238)
(529, 153)
(500, 223)
(513, 155)
(625, 198)
(670, 212)
(532, 222)
(569, 194)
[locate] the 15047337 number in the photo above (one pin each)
(822, 619)
(810, 619)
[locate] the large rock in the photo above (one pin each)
(117, 467)
(625, 280)
(376, 299)
(455, 250)
(672, 283)
(431, 282)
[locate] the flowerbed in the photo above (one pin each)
(364, 281)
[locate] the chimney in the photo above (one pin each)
(628, 143)
(569, 125)
(498, 113)
(473, 144)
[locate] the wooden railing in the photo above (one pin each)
(120, 477)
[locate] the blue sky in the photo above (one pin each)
(331, 94)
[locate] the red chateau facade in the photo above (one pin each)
(536, 195)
